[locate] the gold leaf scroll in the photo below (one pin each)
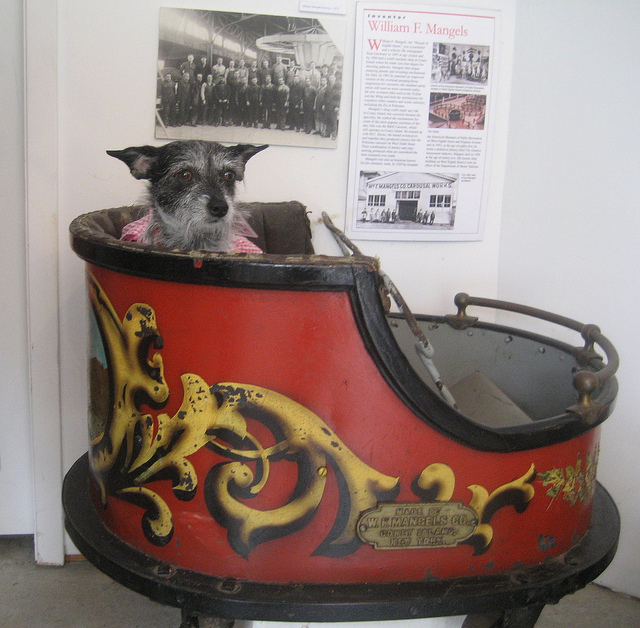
(132, 452)
(437, 482)
(312, 445)
(133, 376)
(517, 494)
(196, 423)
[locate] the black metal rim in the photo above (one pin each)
(208, 595)
(294, 272)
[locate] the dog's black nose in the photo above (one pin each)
(218, 208)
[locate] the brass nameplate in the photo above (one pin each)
(412, 525)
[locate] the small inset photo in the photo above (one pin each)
(456, 64)
(457, 111)
(406, 201)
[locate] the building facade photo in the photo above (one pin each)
(407, 200)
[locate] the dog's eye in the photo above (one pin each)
(229, 176)
(185, 176)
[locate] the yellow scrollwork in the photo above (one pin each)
(517, 494)
(135, 449)
(310, 442)
(196, 423)
(133, 376)
(437, 483)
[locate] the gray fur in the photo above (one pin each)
(192, 187)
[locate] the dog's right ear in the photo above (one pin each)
(140, 159)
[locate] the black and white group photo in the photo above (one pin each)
(458, 64)
(247, 78)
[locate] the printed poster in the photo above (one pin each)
(423, 115)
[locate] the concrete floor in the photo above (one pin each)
(79, 596)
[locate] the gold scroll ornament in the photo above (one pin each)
(135, 449)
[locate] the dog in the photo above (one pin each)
(191, 195)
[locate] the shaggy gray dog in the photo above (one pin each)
(192, 187)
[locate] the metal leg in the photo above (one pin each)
(522, 617)
(192, 619)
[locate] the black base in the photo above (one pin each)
(234, 599)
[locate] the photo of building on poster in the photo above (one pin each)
(423, 118)
(402, 201)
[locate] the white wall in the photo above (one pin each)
(571, 223)
(16, 494)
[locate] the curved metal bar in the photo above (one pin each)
(584, 381)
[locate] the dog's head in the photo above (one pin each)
(191, 186)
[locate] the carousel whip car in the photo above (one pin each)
(268, 441)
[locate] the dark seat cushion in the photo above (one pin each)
(283, 228)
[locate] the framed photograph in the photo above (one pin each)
(422, 121)
(240, 77)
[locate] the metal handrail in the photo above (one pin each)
(585, 382)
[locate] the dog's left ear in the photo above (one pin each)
(140, 159)
(246, 151)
